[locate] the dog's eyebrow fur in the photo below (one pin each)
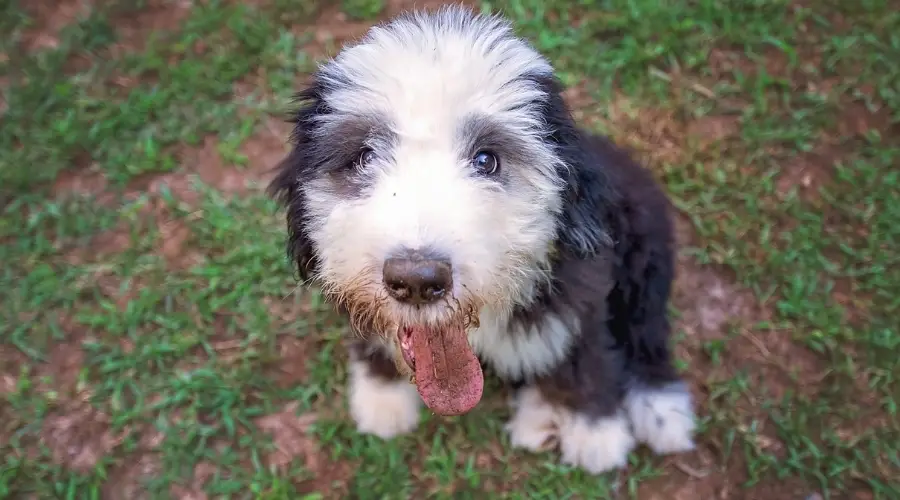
(340, 138)
(483, 132)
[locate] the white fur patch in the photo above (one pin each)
(379, 407)
(664, 419)
(518, 352)
(594, 445)
(535, 423)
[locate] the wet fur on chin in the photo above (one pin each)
(568, 282)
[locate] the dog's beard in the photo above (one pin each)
(371, 311)
(430, 343)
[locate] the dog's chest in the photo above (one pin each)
(516, 350)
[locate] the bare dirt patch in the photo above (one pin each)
(657, 134)
(290, 369)
(102, 245)
(64, 364)
(289, 366)
(174, 235)
(135, 29)
(690, 478)
(263, 150)
(82, 182)
(179, 184)
(50, 17)
(127, 477)
(4, 86)
(714, 309)
(290, 433)
(708, 130)
(11, 363)
(126, 481)
(120, 292)
(724, 63)
(212, 170)
(660, 137)
(203, 472)
(174, 244)
(857, 120)
(582, 104)
(807, 173)
(292, 439)
(79, 436)
(266, 148)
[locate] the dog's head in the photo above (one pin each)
(432, 176)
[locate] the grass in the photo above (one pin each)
(154, 338)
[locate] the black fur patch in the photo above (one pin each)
(296, 168)
(613, 274)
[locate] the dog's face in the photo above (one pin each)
(427, 179)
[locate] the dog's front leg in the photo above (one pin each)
(382, 401)
(596, 443)
(577, 407)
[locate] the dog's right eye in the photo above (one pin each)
(365, 158)
(486, 162)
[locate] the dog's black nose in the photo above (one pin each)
(417, 277)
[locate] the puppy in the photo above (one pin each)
(441, 195)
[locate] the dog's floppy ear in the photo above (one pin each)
(582, 226)
(291, 172)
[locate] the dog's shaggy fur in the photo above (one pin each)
(561, 246)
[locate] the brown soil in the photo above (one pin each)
(203, 472)
(290, 366)
(81, 182)
(292, 440)
(708, 130)
(11, 363)
(809, 172)
(126, 480)
(64, 364)
(173, 245)
(50, 17)
(806, 174)
(78, 436)
(264, 150)
(135, 29)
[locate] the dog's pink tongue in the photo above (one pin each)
(448, 375)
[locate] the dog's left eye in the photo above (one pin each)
(486, 162)
(365, 158)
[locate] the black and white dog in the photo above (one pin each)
(441, 195)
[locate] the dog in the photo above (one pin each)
(440, 194)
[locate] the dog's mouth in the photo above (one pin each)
(448, 375)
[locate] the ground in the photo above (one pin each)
(155, 343)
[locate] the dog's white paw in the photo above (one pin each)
(662, 418)
(596, 445)
(382, 408)
(534, 423)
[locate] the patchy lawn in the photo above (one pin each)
(154, 343)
